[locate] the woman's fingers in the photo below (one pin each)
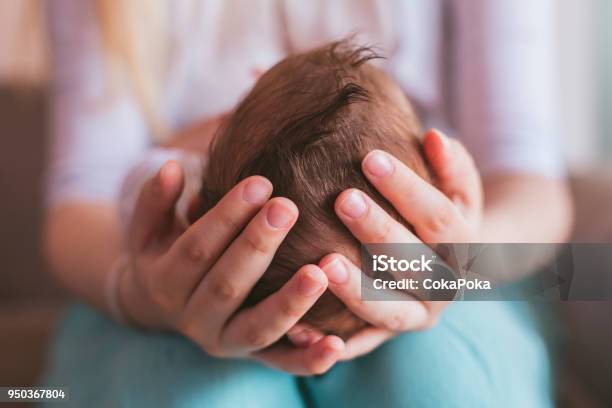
(154, 211)
(400, 314)
(435, 218)
(314, 359)
(368, 222)
(456, 172)
(302, 335)
(229, 281)
(265, 323)
(199, 247)
(365, 341)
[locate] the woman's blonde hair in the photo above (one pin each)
(135, 39)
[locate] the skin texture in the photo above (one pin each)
(81, 261)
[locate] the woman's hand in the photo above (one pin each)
(451, 213)
(195, 281)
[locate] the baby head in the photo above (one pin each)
(306, 126)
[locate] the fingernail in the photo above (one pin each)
(353, 206)
(378, 164)
(300, 338)
(279, 216)
(168, 168)
(336, 271)
(256, 191)
(329, 353)
(309, 285)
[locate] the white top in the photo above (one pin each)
(481, 70)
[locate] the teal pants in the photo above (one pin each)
(481, 354)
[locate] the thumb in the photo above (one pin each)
(154, 212)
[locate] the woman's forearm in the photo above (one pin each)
(82, 241)
(526, 208)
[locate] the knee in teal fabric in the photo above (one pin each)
(480, 355)
(427, 369)
(105, 365)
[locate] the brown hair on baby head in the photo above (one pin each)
(306, 126)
